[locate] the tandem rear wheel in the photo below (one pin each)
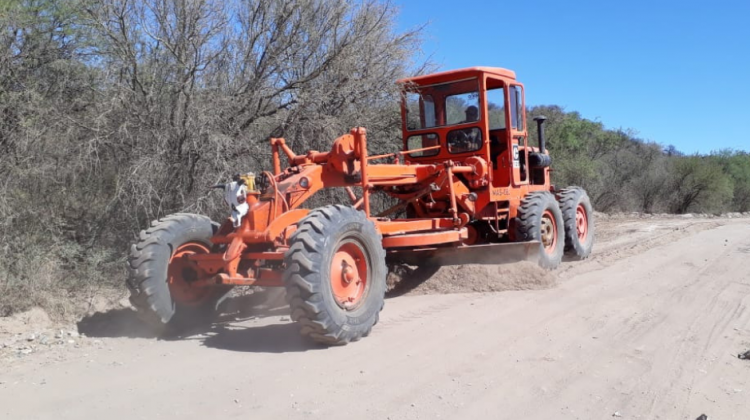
(540, 219)
(578, 217)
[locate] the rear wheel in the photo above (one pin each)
(578, 217)
(161, 278)
(335, 275)
(539, 219)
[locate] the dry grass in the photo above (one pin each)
(61, 280)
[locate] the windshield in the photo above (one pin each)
(442, 104)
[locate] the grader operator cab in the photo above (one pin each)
(468, 187)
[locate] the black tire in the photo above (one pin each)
(530, 221)
(307, 276)
(571, 198)
(147, 266)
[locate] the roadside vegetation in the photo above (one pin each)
(114, 113)
(623, 173)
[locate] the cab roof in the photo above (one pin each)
(459, 74)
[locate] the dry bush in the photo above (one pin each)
(119, 112)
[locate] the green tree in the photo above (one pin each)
(699, 184)
(736, 165)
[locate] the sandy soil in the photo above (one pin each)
(648, 328)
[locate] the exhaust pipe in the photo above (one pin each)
(540, 131)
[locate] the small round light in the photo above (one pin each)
(304, 182)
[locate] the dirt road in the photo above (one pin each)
(648, 328)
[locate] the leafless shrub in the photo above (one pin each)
(118, 112)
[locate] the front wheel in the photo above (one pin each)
(161, 278)
(335, 275)
(539, 219)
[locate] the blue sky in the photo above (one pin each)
(675, 72)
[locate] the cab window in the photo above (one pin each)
(462, 108)
(442, 104)
(420, 111)
(516, 108)
(465, 140)
(422, 141)
(496, 108)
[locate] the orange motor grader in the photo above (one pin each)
(468, 187)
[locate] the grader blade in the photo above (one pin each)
(476, 254)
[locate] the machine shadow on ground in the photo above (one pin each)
(230, 330)
(125, 323)
(272, 338)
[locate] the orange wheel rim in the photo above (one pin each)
(548, 230)
(582, 223)
(349, 275)
(181, 273)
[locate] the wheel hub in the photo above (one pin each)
(189, 274)
(548, 232)
(181, 273)
(349, 275)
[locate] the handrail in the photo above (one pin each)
(406, 152)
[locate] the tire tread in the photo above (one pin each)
(303, 281)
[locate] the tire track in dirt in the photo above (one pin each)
(611, 251)
(648, 327)
(710, 307)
